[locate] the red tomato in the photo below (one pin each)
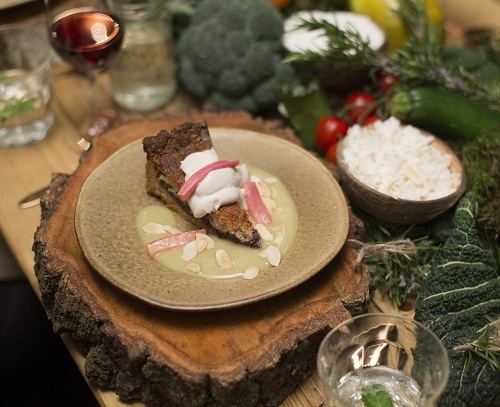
(386, 81)
(329, 130)
(281, 3)
(331, 153)
(359, 104)
(369, 120)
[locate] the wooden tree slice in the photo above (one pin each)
(253, 355)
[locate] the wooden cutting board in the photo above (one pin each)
(254, 355)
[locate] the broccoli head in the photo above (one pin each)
(230, 54)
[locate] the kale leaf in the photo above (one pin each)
(460, 298)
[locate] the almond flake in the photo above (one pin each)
(250, 273)
(264, 232)
(210, 242)
(189, 251)
(194, 267)
(223, 259)
(273, 255)
(171, 229)
(270, 204)
(203, 242)
(264, 189)
(152, 227)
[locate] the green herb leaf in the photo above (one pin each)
(400, 276)
(376, 395)
(305, 106)
(14, 107)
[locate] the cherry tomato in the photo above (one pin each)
(359, 104)
(281, 3)
(369, 120)
(385, 82)
(331, 153)
(329, 131)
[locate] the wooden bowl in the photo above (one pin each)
(399, 211)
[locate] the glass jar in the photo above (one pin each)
(143, 74)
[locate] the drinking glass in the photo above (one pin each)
(375, 356)
(87, 34)
(25, 85)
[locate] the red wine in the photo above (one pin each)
(86, 38)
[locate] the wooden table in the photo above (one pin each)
(27, 169)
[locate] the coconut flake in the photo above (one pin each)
(399, 161)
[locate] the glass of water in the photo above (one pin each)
(25, 85)
(373, 357)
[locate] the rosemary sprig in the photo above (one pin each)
(400, 276)
(346, 48)
(418, 62)
(487, 346)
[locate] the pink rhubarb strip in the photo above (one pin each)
(172, 242)
(256, 207)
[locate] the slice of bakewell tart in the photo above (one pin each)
(174, 162)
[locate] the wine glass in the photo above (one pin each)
(87, 34)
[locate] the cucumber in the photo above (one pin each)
(445, 114)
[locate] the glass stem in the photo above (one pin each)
(99, 121)
(93, 74)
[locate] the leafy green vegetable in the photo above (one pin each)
(481, 160)
(474, 60)
(376, 396)
(460, 298)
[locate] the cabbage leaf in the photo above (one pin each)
(459, 300)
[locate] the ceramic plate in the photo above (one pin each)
(115, 192)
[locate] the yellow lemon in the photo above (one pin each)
(383, 13)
